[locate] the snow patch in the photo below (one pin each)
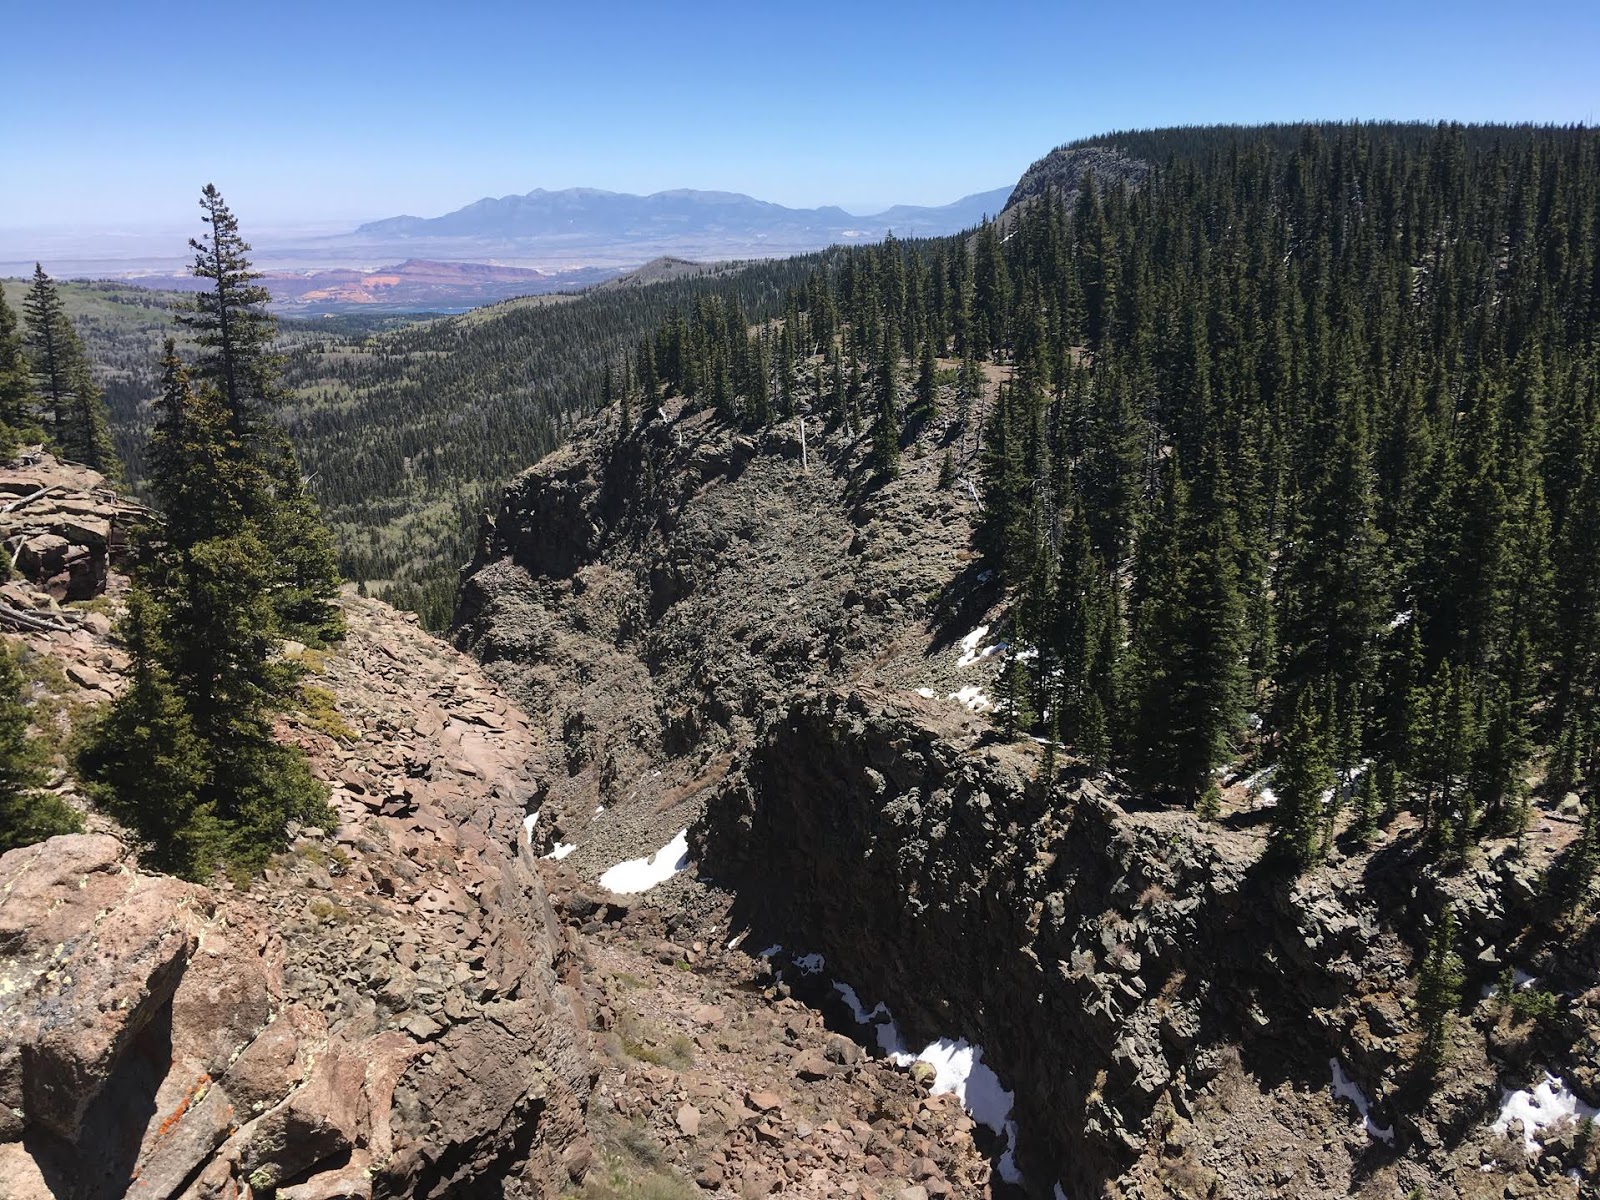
(958, 1067)
(641, 874)
(1548, 1104)
(1058, 1194)
(811, 964)
(925, 693)
(972, 697)
(1254, 783)
(970, 653)
(857, 1009)
(561, 850)
(528, 822)
(770, 951)
(1261, 796)
(885, 1031)
(1349, 1089)
(1520, 980)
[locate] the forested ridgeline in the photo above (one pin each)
(1299, 436)
(407, 428)
(408, 435)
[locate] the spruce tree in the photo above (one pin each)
(235, 332)
(145, 765)
(214, 598)
(53, 350)
(1369, 807)
(1449, 741)
(17, 418)
(1085, 626)
(886, 424)
(969, 391)
(1188, 669)
(1016, 710)
(926, 390)
(74, 408)
(1331, 592)
(1439, 982)
(1302, 779)
(88, 437)
(1498, 787)
(28, 814)
(230, 320)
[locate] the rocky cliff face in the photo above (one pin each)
(390, 1012)
(1107, 960)
(1064, 170)
(1167, 1007)
(651, 598)
(786, 659)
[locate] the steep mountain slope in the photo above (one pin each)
(391, 1010)
(775, 657)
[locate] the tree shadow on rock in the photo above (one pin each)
(101, 1164)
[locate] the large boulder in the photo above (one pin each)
(92, 954)
(387, 1010)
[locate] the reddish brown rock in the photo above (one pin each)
(320, 1119)
(272, 1033)
(92, 954)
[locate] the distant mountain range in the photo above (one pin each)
(619, 219)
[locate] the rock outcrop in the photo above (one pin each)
(1065, 169)
(704, 626)
(62, 526)
(1122, 968)
(391, 1011)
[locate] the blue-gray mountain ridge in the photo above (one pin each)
(620, 216)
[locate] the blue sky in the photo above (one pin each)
(119, 110)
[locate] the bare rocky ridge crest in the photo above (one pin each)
(1065, 169)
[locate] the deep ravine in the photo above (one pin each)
(786, 663)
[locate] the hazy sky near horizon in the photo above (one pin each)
(316, 113)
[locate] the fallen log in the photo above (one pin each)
(34, 622)
(30, 498)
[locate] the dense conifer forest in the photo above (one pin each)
(1301, 437)
(407, 429)
(1295, 439)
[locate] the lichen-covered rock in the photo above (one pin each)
(93, 954)
(388, 1008)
